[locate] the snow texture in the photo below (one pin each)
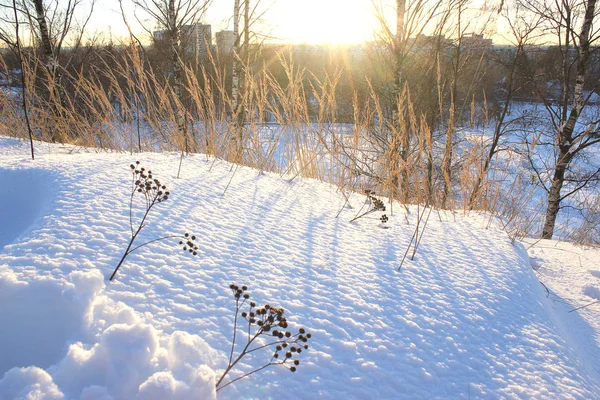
(467, 318)
(573, 284)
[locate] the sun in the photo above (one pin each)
(324, 21)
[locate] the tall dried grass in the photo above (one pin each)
(121, 103)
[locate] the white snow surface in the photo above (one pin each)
(467, 318)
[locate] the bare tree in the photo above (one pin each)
(52, 33)
(523, 29)
(177, 19)
(572, 132)
(241, 65)
(412, 17)
(456, 69)
(51, 24)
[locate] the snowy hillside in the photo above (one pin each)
(467, 318)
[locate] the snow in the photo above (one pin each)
(467, 318)
(572, 277)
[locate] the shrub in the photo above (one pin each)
(267, 330)
(154, 192)
(375, 204)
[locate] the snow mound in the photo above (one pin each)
(56, 308)
(113, 354)
(592, 291)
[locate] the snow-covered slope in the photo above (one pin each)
(466, 319)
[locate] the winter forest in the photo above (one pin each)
(360, 199)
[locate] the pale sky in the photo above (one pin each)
(299, 21)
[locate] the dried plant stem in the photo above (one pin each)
(585, 306)
(133, 237)
(421, 235)
(414, 239)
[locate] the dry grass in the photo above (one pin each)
(121, 103)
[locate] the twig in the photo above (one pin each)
(415, 233)
(180, 162)
(421, 235)
(361, 208)
(584, 306)
(156, 240)
(154, 192)
(23, 83)
(230, 179)
(344, 205)
(363, 214)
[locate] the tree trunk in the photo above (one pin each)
(45, 36)
(447, 161)
(57, 134)
(398, 53)
(554, 198)
(448, 150)
(235, 86)
(175, 42)
(396, 148)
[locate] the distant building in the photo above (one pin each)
(425, 43)
(197, 39)
(160, 35)
(476, 42)
(507, 50)
(225, 42)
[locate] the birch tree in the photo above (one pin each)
(572, 26)
(51, 23)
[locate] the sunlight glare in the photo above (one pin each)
(326, 21)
